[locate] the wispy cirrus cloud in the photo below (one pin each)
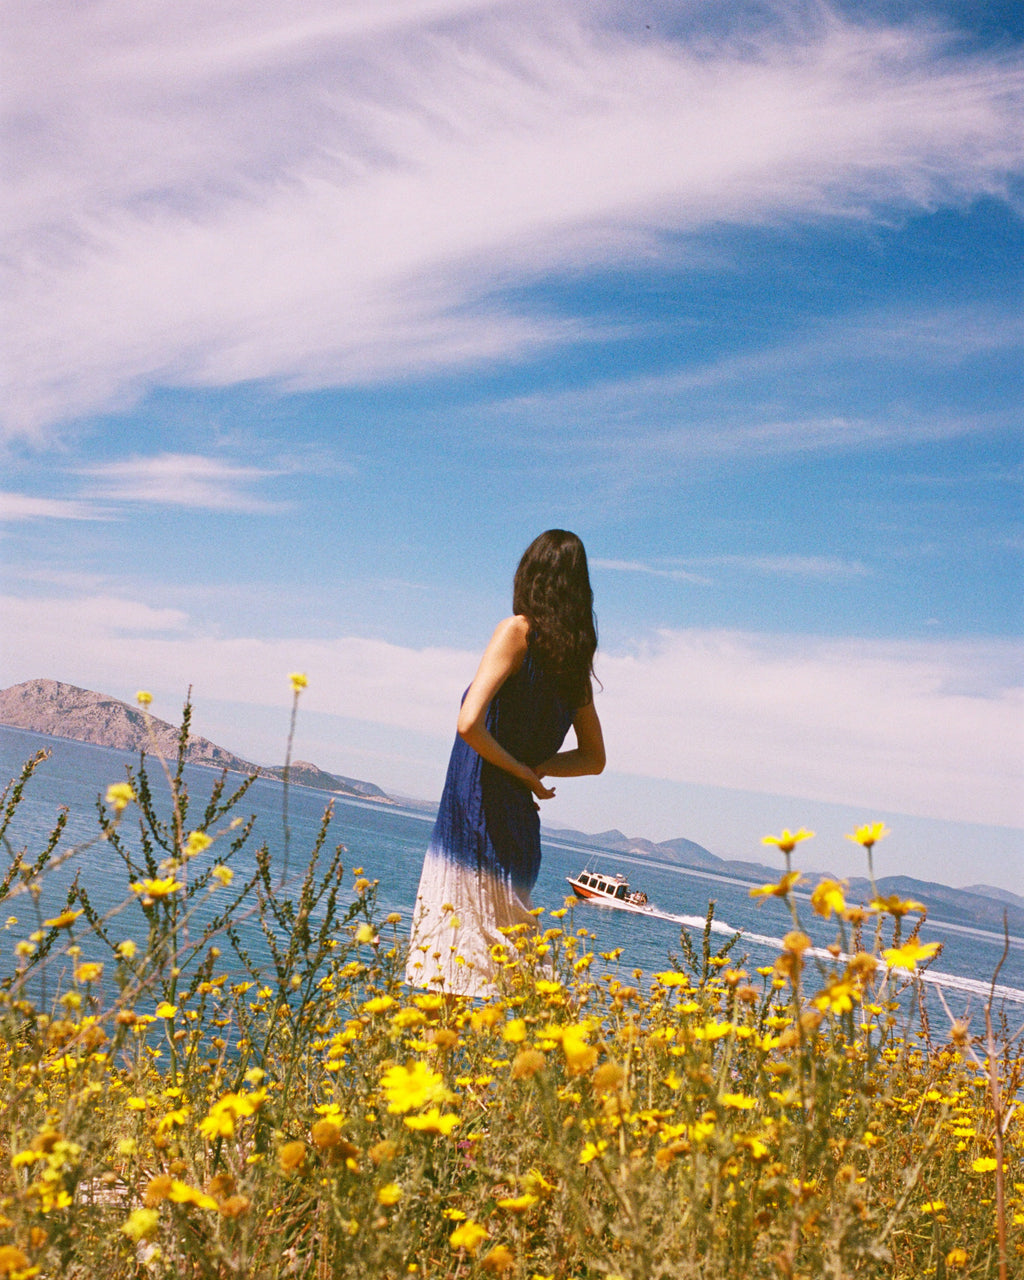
(823, 567)
(824, 387)
(22, 506)
(204, 195)
(180, 480)
(650, 570)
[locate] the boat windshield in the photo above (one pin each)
(620, 892)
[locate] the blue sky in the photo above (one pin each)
(314, 317)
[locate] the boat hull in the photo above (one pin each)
(603, 898)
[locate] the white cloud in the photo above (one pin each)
(207, 194)
(728, 406)
(774, 565)
(651, 570)
(796, 566)
(928, 728)
(935, 729)
(179, 480)
(23, 506)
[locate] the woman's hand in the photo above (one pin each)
(537, 786)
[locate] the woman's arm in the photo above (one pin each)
(588, 754)
(502, 658)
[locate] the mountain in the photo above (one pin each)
(980, 908)
(1000, 895)
(66, 711)
(680, 852)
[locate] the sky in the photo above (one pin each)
(313, 316)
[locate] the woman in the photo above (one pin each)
(533, 682)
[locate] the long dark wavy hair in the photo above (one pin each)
(552, 589)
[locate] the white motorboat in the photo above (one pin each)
(613, 891)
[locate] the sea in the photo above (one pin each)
(388, 842)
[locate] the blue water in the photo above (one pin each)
(388, 842)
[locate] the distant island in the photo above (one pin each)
(67, 711)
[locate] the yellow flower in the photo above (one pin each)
(896, 906)
(141, 1224)
(291, 1156)
(498, 1260)
(126, 950)
(389, 1194)
(672, 978)
(224, 874)
(119, 796)
(526, 1063)
(468, 1235)
(737, 1101)
(591, 1150)
(197, 841)
(234, 1206)
(837, 997)
(157, 1190)
(181, 1193)
(514, 1031)
(789, 840)
(758, 1149)
(869, 834)
(984, 1164)
(609, 1077)
(220, 1122)
(157, 888)
(165, 1009)
(933, 1206)
(826, 897)
(12, 1260)
(325, 1134)
(299, 681)
(712, 1030)
(579, 1055)
(88, 972)
(518, 1204)
(143, 697)
(907, 956)
(779, 890)
(433, 1121)
(407, 1088)
(956, 1259)
(537, 1183)
(64, 921)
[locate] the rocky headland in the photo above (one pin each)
(67, 711)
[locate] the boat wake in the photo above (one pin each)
(950, 981)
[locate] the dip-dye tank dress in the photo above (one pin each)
(484, 854)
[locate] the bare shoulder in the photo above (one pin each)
(509, 643)
(512, 634)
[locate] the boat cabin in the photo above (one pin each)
(613, 886)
